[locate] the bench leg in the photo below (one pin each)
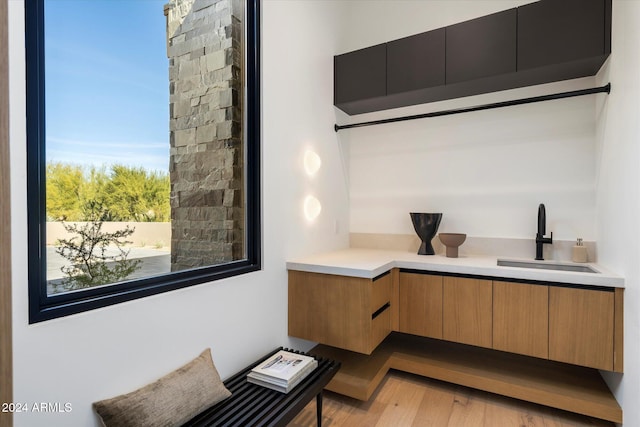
(319, 408)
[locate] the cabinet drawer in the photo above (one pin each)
(339, 311)
(380, 292)
(380, 327)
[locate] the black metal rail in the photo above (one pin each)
(602, 89)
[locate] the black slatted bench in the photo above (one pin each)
(254, 405)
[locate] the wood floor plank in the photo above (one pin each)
(363, 416)
(402, 404)
(342, 411)
(467, 411)
(409, 400)
(501, 412)
(436, 406)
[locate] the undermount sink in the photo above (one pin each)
(547, 266)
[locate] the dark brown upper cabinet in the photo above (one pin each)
(416, 62)
(358, 75)
(541, 42)
(552, 32)
(482, 47)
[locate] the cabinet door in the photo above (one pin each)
(360, 75)
(482, 47)
(581, 327)
(467, 311)
(553, 32)
(521, 318)
(421, 304)
(416, 62)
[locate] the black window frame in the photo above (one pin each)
(45, 307)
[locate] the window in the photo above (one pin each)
(143, 130)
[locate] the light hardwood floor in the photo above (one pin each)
(413, 401)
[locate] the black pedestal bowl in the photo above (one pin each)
(426, 226)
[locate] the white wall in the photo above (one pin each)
(618, 189)
(106, 352)
(486, 171)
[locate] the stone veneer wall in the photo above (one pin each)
(204, 46)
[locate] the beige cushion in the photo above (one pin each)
(170, 401)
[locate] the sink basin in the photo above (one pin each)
(547, 266)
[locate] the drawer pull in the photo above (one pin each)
(379, 311)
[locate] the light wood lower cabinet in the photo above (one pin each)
(521, 318)
(562, 323)
(581, 327)
(421, 302)
(345, 312)
(467, 311)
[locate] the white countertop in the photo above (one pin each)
(369, 263)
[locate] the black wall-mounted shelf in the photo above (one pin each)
(537, 43)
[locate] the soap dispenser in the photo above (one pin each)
(579, 253)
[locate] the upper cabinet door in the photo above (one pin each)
(482, 47)
(416, 62)
(360, 75)
(552, 32)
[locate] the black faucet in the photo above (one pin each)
(540, 239)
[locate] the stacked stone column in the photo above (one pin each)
(204, 45)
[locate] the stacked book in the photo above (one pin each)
(282, 371)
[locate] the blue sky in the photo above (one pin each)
(107, 83)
